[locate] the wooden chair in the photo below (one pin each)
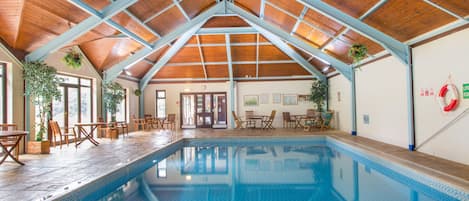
(326, 120)
(10, 141)
(238, 121)
(249, 122)
(56, 131)
(170, 121)
(124, 127)
(138, 123)
(267, 122)
(287, 120)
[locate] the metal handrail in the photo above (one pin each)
(449, 124)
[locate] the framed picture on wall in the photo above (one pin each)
(276, 98)
(303, 98)
(251, 100)
(290, 99)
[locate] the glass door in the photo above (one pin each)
(188, 110)
(66, 111)
(203, 109)
(219, 114)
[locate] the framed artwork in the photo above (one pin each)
(264, 99)
(276, 98)
(303, 98)
(290, 99)
(251, 100)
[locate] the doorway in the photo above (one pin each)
(203, 110)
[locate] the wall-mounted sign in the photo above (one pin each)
(465, 90)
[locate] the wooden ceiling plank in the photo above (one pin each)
(78, 30)
(158, 13)
(445, 10)
(397, 48)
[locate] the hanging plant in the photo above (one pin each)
(73, 59)
(138, 92)
(357, 52)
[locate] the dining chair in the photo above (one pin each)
(56, 131)
(170, 121)
(250, 122)
(238, 121)
(269, 121)
(138, 123)
(288, 120)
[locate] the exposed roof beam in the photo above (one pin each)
(445, 10)
(257, 55)
(232, 62)
(169, 54)
(345, 69)
(90, 10)
(115, 70)
(136, 19)
(201, 56)
(398, 49)
(365, 15)
(262, 9)
(224, 30)
(294, 77)
(290, 52)
(78, 30)
(232, 44)
(298, 21)
(159, 13)
(230, 70)
(176, 2)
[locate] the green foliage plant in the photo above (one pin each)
(319, 94)
(138, 92)
(113, 95)
(357, 52)
(42, 86)
(73, 59)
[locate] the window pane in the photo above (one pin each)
(161, 108)
(72, 107)
(68, 79)
(85, 104)
(161, 94)
(58, 109)
(85, 82)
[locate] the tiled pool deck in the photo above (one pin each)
(69, 167)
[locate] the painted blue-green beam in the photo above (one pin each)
(78, 30)
(398, 49)
(85, 7)
(290, 52)
(115, 70)
(169, 54)
(343, 68)
(230, 75)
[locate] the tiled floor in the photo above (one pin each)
(69, 167)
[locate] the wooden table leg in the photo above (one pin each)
(8, 152)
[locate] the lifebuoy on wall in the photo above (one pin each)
(453, 103)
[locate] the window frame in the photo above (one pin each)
(156, 103)
(4, 101)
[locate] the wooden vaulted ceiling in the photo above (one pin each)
(29, 24)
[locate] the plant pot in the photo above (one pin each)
(38, 147)
(112, 133)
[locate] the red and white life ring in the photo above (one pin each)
(447, 107)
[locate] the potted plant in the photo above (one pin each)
(357, 52)
(42, 87)
(318, 94)
(113, 95)
(138, 92)
(73, 59)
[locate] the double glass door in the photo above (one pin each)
(203, 110)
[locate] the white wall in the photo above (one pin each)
(340, 103)
(241, 89)
(434, 62)
(296, 87)
(381, 93)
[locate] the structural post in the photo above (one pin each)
(103, 104)
(410, 102)
(141, 104)
(230, 72)
(354, 103)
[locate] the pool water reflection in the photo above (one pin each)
(266, 172)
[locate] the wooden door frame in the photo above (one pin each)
(195, 105)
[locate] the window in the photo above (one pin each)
(75, 105)
(161, 169)
(160, 103)
(3, 95)
(121, 114)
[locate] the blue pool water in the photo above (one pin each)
(261, 170)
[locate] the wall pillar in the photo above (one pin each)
(410, 101)
(354, 103)
(141, 102)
